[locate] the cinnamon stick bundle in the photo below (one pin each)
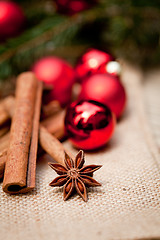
(53, 124)
(19, 175)
(49, 143)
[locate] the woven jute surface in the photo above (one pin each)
(151, 90)
(127, 206)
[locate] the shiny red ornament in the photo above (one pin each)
(71, 7)
(57, 73)
(11, 19)
(89, 124)
(106, 89)
(92, 62)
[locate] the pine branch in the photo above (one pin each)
(127, 28)
(50, 34)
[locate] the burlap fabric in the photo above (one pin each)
(127, 206)
(151, 87)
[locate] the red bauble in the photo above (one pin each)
(71, 7)
(92, 62)
(11, 19)
(89, 124)
(106, 89)
(58, 73)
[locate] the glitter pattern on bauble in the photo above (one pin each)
(11, 19)
(106, 89)
(92, 62)
(57, 73)
(89, 124)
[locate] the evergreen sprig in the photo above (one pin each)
(128, 28)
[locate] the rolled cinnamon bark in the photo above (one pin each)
(2, 163)
(4, 142)
(9, 105)
(22, 150)
(4, 130)
(52, 146)
(4, 116)
(53, 124)
(51, 108)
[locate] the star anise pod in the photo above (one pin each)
(74, 176)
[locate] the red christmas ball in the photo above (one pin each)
(71, 7)
(89, 124)
(92, 62)
(58, 73)
(106, 89)
(11, 19)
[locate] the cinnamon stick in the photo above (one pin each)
(4, 116)
(9, 105)
(34, 140)
(19, 175)
(54, 124)
(51, 111)
(51, 108)
(52, 146)
(4, 142)
(2, 163)
(4, 130)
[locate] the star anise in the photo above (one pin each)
(74, 176)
